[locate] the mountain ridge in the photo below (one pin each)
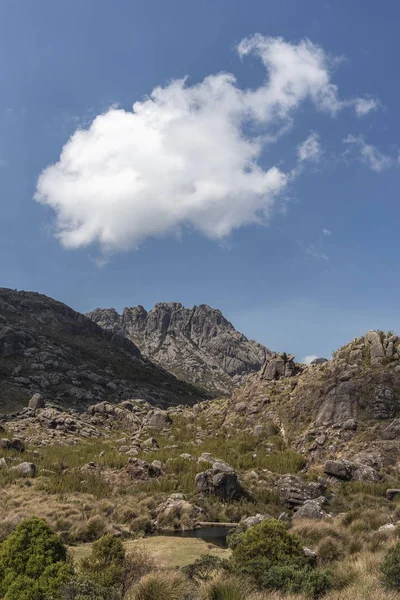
(197, 344)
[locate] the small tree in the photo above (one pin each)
(33, 562)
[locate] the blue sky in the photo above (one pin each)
(279, 207)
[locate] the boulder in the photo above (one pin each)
(278, 366)
(392, 493)
(4, 443)
(340, 469)
(254, 520)
(26, 469)
(293, 491)
(374, 342)
(37, 401)
(17, 444)
(311, 509)
(224, 484)
(159, 420)
(141, 470)
(318, 361)
(150, 443)
(364, 473)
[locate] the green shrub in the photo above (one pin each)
(313, 583)
(105, 564)
(83, 588)
(267, 545)
(391, 568)
(33, 558)
(204, 568)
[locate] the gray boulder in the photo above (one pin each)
(37, 401)
(295, 492)
(340, 469)
(26, 469)
(311, 509)
(159, 420)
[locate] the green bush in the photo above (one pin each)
(83, 588)
(105, 564)
(391, 568)
(313, 583)
(33, 562)
(264, 546)
(204, 568)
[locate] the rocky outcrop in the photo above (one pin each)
(47, 349)
(196, 344)
(278, 366)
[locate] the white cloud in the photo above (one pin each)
(369, 154)
(326, 232)
(309, 358)
(310, 149)
(363, 106)
(188, 156)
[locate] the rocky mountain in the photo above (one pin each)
(197, 344)
(344, 408)
(47, 347)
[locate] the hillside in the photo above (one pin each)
(197, 344)
(47, 347)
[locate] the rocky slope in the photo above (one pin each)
(347, 407)
(196, 344)
(47, 347)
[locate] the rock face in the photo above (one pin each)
(196, 344)
(49, 352)
(278, 366)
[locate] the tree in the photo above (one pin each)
(33, 562)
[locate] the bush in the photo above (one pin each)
(391, 568)
(204, 568)
(313, 583)
(110, 568)
(33, 561)
(105, 564)
(267, 545)
(83, 588)
(162, 586)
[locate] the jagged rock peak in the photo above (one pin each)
(196, 344)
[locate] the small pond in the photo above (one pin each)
(213, 535)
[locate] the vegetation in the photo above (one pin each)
(391, 568)
(33, 562)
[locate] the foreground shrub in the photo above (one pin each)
(105, 564)
(310, 582)
(82, 588)
(162, 586)
(33, 562)
(267, 545)
(204, 568)
(231, 588)
(110, 567)
(391, 568)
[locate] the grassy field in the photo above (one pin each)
(168, 551)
